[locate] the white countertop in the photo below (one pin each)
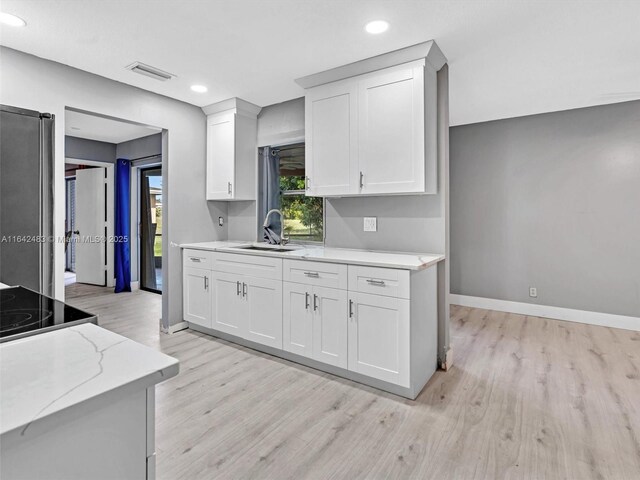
(44, 374)
(407, 261)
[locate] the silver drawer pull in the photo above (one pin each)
(379, 283)
(312, 274)
(195, 259)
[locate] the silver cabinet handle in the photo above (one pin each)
(306, 300)
(244, 289)
(206, 283)
(312, 274)
(229, 188)
(195, 259)
(315, 302)
(361, 180)
(238, 287)
(350, 308)
(379, 283)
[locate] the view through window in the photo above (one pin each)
(303, 216)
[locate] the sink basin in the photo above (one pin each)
(265, 248)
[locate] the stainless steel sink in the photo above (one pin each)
(264, 249)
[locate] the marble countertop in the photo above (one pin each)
(45, 374)
(407, 261)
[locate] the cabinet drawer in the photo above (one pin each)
(379, 281)
(315, 273)
(252, 265)
(196, 258)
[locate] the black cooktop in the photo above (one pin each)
(25, 312)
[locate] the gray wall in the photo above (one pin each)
(34, 83)
(411, 223)
(84, 149)
(551, 201)
(140, 147)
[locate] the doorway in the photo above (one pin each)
(88, 221)
(151, 229)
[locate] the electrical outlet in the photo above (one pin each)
(370, 224)
(533, 292)
(220, 221)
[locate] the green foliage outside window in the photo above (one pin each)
(302, 214)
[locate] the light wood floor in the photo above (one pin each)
(528, 398)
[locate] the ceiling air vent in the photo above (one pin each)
(150, 71)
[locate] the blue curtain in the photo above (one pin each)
(271, 186)
(122, 226)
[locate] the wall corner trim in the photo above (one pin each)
(174, 328)
(547, 311)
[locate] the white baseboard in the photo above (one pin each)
(546, 311)
(174, 328)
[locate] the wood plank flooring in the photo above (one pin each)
(527, 398)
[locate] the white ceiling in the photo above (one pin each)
(92, 127)
(507, 58)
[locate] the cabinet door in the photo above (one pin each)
(379, 337)
(297, 318)
(220, 156)
(331, 163)
(229, 309)
(330, 315)
(391, 131)
(264, 302)
(196, 293)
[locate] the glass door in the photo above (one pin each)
(151, 229)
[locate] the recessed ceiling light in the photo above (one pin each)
(377, 26)
(11, 20)
(199, 88)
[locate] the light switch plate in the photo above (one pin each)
(370, 224)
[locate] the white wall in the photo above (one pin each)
(33, 83)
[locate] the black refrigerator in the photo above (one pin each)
(26, 199)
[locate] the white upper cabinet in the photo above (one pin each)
(391, 140)
(371, 126)
(231, 150)
(331, 162)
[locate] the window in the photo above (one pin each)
(303, 216)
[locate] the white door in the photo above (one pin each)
(221, 156)
(196, 296)
(229, 310)
(264, 300)
(379, 337)
(331, 163)
(330, 316)
(391, 131)
(91, 222)
(297, 318)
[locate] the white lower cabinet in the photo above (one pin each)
(247, 307)
(356, 318)
(297, 319)
(196, 295)
(379, 342)
(263, 298)
(330, 326)
(315, 323)
(227, 304)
